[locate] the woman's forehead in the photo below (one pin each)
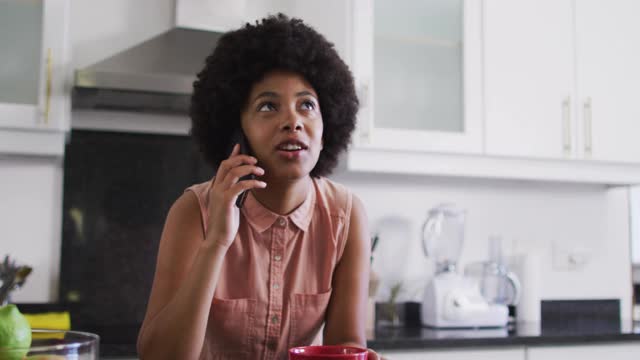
(281, 83)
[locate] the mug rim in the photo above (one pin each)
(359, 350)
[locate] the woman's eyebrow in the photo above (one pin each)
(305, 93)
(269, 94)
(273, 94)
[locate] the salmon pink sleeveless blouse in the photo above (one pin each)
(275, 282)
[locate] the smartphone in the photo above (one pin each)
(240, 138)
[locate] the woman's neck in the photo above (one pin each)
(283, 196)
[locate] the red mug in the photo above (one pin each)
(327, 352)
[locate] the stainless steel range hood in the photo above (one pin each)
(157, 75)
(165, 63)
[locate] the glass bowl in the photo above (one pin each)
(57, 345)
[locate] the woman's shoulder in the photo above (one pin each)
(329, 185)
(333, 195)
(199, 189)
(187, 208)
(188, 203)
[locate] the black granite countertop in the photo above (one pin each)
(558, 328)
(514, 335)
(120, 341)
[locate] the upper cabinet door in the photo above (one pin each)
(34, 64)
(214, 15)
(21, 37)
(421, 73)
(529, 78)
(608, 60)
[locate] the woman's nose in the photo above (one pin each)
(291, 121)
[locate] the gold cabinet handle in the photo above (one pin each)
(47, 100)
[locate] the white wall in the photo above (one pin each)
(31, 221)
(531, 217)
(635, 225)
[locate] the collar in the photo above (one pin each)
(261, 218)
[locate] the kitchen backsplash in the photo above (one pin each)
(550, 220)
(118, 189)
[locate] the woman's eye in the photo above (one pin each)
(308, 105)
(266, 107)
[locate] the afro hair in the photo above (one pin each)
(243, 57)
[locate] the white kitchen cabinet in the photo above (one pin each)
(620, 351)
(226, 15)
(34, 68)
(529, 77)
(417, 70)
(515, 353)
(518, 102)
(416, 66)
(608, 54)
(560, 78)
(332, 18)
(213, 15)
(634, 218)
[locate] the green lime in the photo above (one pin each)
(15, 333)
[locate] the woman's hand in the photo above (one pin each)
(372, 355)
(224, 216)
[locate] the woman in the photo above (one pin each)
(250, 283)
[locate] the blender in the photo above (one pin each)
(452, 300)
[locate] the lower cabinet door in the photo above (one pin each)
(510, 353)
(612, 351)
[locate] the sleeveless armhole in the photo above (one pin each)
(200, 191)
(347, 222)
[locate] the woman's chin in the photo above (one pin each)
(289, 174)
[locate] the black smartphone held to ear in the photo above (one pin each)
(240, 138)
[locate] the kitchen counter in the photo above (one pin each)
(120, 341)
(560, 327)
(520, 334)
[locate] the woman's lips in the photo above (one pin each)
(290, 154)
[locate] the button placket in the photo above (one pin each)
(274, 317)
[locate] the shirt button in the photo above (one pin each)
(276, 286)
(274, 319)
(277, 258)
(273, 345)
(282, 222)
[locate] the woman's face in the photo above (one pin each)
(283, 125)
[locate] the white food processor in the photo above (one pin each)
(452, 300)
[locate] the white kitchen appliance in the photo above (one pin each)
(452, 300)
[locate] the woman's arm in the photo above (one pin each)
(187, 272)
(189, 264)
(346, 315)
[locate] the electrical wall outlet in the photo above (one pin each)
(570, 257)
